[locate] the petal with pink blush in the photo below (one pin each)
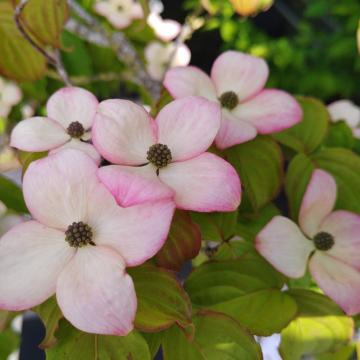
(123, 132)
(136, 232)
(338, 280)
(187, 81)
(233, 131)
(76, 144)
(270, 111)
(38, 134)
(132, 185)
(318, 201)
(188, 126)
(119, 21)
(205, 183)
(31, 259)
(284, 246)
(56, 188)
(95, 294)
(241, 73)
(71, 104)
(344, 226)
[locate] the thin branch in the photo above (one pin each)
(55, 59)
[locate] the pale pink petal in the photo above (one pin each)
(103, 8)
(165, 30)
(38, 134)
(136, 11)
(119, 20)
(283, 245)
(57, 188)
(233, 131)
(123, 132)
(241, 73)
(270, 111)
(189, 80)
(338, 280)
(71, 104)
(31, 258)
(95, 294)
(76, 144)
(137, 232)
(132, 185)
(188, 126)
(318, 201)
(181, 56)
(345, 110)
(344, 226)
(205, 183)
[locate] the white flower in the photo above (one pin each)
(10, 95)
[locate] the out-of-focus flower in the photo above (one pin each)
(10, 95)
(8, 159)
(119, 13)
(345, 110)
(251, 7)
(78, 245)
(27, 111)
(237, 85)
(70, 114)
(328, 241)
(167, 157)
(159, 57)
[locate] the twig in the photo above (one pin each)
(55, 59)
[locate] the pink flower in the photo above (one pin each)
(327, 240)
(166, 157)
(87, 272)
(71, 112)
(237, 85)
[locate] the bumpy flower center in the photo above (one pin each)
(159, 155)
(229, 100)
(323, 241)
(75, 129)
(79, 234)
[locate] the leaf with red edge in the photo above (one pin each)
(183, 243)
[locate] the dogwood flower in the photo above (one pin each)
(70, 114)
(78, 245)
(166, 157)
(345, 110)
(119, 13)
(10, 95)
(237, 85)
(159, 57)
(328, 241)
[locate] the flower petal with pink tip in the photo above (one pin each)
(38, 134)
(205, 183)
(123, 132)
(136, 232)
(132, 185)
(270, 111)
(95, 294)
(338, 280)
(318, 201)
(282, 244)
(187, 81)
(233, 131)
(31, 258)
(241, 73)
(188, 126)
(71, 104)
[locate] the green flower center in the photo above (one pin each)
(229, 100)
(159, 155)
(79, 234)
(323, 241)
(75, 129)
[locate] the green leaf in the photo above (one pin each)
(344, 353)
(9, 342)
(18, 60)
(50, 315)
(161, 300)
(260, 166)
(340, 135)
(75, 344)
(26, 158)
(216, 337)
(320, 327)
(247, 289)
(154, 342)
(11, 195)
(183, 242)
(311, 131)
